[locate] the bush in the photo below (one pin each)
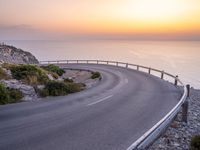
(67, 80)
(54, 68)
(57, 88)
(54, 75)
(30, 74)
(95, 75)
(3, 75)
(195, 143)
(8, 66)
(15, 95)
(9, 95)
(73, 87)
(43, 92)
(4, 97)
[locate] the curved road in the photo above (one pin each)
(109, 116)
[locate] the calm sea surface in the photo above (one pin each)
(179, 58)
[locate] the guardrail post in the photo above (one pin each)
(185, 106)
(138, 68)
(126, 65)
(97, 62)
(116, 63)
(188, 90)
(162, 74)
(149, 70)
(86, 61)
(77, 61)
(176, 81)
(107, 62)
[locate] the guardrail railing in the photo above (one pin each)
(152, 134)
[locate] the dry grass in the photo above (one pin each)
(3, 74)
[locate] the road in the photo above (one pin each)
(109, 116)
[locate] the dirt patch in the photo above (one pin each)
(80, 76)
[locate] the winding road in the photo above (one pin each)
(110, 116)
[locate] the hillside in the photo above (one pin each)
(11, 54)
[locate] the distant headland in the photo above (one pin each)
(11, 54)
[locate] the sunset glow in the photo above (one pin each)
(104, 16)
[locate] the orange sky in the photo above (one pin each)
(104, 16)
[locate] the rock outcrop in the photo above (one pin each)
(27, 90)
(10, 54)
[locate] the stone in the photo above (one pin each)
(27, 90)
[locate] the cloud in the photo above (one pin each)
(28, 32)
(21, 26)
(17, 32)
(25, 32)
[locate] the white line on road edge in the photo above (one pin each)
(103, 99)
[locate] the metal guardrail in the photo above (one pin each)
(152, 134)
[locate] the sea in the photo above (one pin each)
(180, 58)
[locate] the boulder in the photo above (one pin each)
(27, 90)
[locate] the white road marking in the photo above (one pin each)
(100, 100)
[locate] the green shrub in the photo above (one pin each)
(4, 96)
(8, 66)
(58, 88)
(15, 95)
(30, 74)
(54, 75)
(54, 68)
(43, 92)
(95, 75)
(67, 80)
(195, 143)
(73, 87)
(9, 95)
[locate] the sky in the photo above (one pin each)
(129, 19)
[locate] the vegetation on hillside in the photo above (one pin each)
(57, 88)
(8, 66)
(95, 75)
(9, 95)
(38, 76)
(54, 69)
(195, 143)
(3, 74)
(30, 74)
(67, 80)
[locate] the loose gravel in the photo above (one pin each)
(179, 134)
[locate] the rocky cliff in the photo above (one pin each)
(10, 54)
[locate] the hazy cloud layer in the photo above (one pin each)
(27, 32)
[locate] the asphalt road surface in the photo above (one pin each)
(110, 116)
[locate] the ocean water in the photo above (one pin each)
(176, 57)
